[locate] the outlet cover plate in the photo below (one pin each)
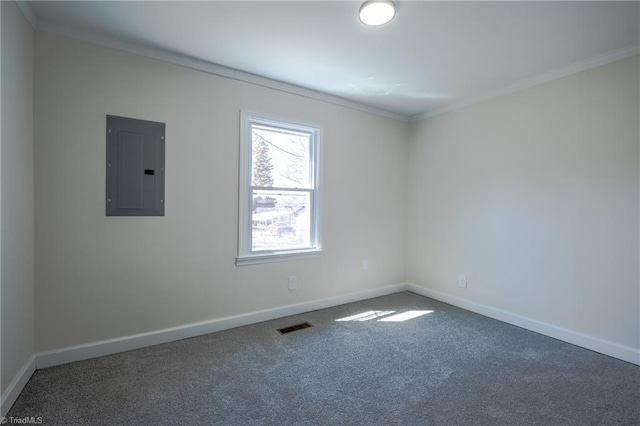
(462, 281)
(293, 283)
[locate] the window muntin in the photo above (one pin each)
(278, 190)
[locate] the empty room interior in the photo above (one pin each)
(257, 212)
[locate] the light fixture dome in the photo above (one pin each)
(377, 12)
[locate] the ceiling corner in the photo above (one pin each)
(28, 13)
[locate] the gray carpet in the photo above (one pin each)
(448, 367)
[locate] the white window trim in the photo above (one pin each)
(245, 255)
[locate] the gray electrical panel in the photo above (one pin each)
(135, 167)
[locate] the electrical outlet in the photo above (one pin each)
(462, 281)
(365, 264)
(293, 283)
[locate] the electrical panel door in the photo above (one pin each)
(135, 167)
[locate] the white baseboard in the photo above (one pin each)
(17, 384)
(127, 343)
(596, 344)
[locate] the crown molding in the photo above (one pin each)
(597, 61)
(212, 68)
(28, 13)
(222, 71)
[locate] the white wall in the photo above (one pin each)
(17, 239)
(535, 196)
(101, 277)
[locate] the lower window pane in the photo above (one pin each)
(280, 220)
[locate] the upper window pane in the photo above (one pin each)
(280, 158)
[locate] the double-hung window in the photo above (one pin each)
(279, 191)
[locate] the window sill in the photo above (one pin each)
(277, 257)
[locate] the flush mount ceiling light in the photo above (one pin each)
(377, 12)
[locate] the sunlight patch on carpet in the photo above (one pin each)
(366, 316)
(405, 316)
(398, 317)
